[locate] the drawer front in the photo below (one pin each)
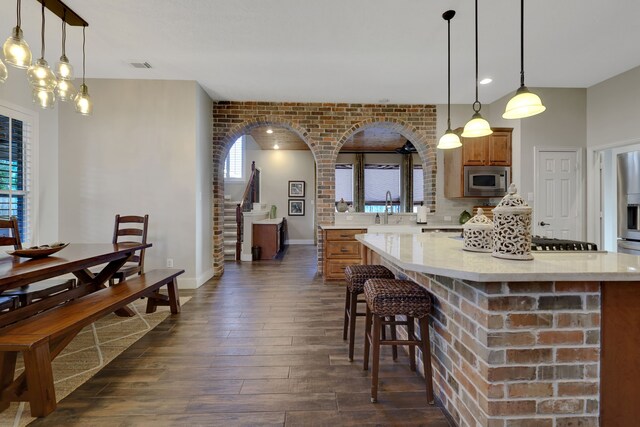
(343, 249)
(334, 268)
(344, 234)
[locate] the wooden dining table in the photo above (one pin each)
(76, 259)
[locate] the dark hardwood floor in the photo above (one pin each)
(260, 346)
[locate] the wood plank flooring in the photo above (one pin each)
(261, 346)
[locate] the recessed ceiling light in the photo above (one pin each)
(383, 101)
(486, 81)
(269, 130)
(276, 146)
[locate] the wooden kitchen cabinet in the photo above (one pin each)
(341, 249)
(269, 235)
(490, 150)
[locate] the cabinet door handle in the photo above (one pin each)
(344, 250)
(345, 235)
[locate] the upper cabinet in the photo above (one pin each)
(491, 150)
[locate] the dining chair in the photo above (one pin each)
(123, 232)
(10, 236)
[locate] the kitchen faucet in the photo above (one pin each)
(388, 206)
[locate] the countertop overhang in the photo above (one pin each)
(439, 254)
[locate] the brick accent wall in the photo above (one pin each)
(515, 354)
(324, 127)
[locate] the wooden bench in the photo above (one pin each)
(42, 337)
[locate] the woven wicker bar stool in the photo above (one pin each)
(355, 276)
(391, 297)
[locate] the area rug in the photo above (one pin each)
(89, 352)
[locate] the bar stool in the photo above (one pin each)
(392, 297)
(355, 276)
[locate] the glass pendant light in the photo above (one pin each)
(477, 126)
(45, 99)
(16, 50)
(64, 70)
(65, 90)
(82, 100)
(3, 72)
(524, 103)
(39, 74)
(449, 139)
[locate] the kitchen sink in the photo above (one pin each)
(392, 228)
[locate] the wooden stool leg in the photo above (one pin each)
(367, 338)
(412, 348)
(394, 336)
(353, 314)
(174, 297)
(426, 357)
(375, 335)
(346, 314)
(42, 395)
(7, 371)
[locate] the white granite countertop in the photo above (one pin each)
(408, 228)
(438, 253)
(272, 221)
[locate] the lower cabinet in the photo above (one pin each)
(270, 238)
(340, 250)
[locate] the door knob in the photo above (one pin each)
(542, 223)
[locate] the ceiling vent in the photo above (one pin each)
(141, 65)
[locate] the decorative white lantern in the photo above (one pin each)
(512, 227)
(478, 233)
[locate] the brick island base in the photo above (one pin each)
(525, 354)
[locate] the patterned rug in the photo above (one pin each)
(89, 352)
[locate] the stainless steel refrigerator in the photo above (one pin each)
(629, 203)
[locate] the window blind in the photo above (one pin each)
(378, 179)
(418, 185)
(15, 172)
(344, 182)
(233, 165)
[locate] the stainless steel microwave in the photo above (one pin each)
(486, 181)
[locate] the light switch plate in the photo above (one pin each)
(447, 218)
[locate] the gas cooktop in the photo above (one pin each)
(539, 243)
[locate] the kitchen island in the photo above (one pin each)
(548, 342)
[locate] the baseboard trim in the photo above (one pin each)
(246, 257)
(299, 242)
(193, 282)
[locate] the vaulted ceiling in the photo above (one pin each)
(344, 51)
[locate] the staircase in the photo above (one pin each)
(229, 230)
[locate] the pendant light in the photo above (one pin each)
(449, 139)
(64, 70)
(41, 77)
(477, 126)
(82, 100)
(16, 50)
(524, 103)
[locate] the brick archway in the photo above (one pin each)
(324, 127)
(420, 140)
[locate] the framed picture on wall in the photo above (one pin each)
(296, 189)
(296, 207)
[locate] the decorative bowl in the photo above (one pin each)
(39, 251)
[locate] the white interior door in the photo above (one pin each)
(558, 202)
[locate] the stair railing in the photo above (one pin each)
(250, 196)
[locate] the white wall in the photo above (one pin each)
(204, 180)
(15, 92)
(138, 153)
(277, 168)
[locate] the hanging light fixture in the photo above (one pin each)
(524, 103)
(449, 139)
(477, 126)
(16, 50)
(40, 75)
(64, 70)
(82, 100)
(43, 98)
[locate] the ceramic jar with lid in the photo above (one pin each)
(478, 233)
(512, 227)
